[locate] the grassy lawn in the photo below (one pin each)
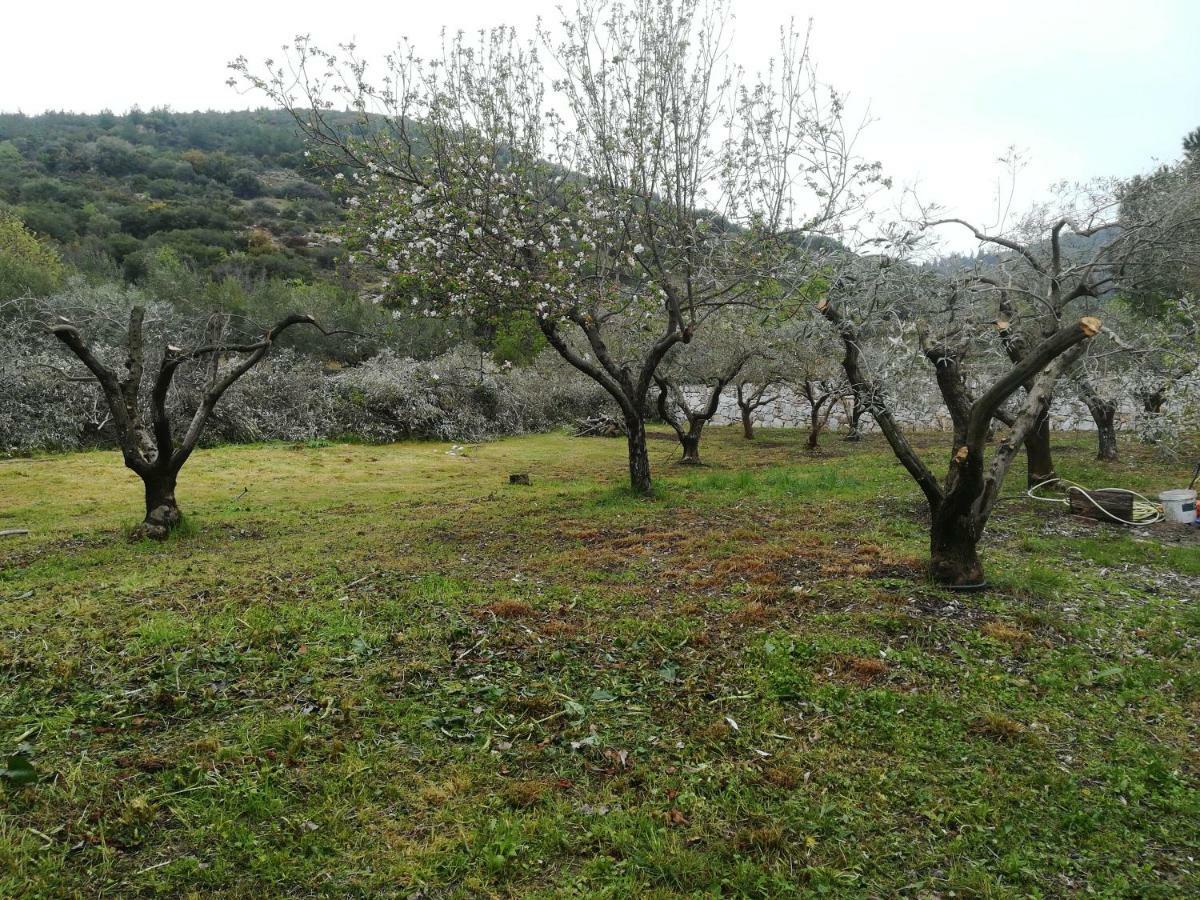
(384, 670)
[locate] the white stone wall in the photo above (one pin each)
(791, 411)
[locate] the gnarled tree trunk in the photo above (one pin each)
(639, 457)
(671, 395)
(162, 510)
(854, 417)
(691, 447)
(953, 554)
(748, 403)
(814, 428)
(1104, 414)
(820, 397)
(1039, 458)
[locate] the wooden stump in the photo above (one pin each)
(1095, 504)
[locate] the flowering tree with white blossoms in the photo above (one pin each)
(641, 178)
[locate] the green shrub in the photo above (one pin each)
(28, 266)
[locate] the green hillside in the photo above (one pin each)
(228, 193)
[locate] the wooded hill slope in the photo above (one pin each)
(228, 193)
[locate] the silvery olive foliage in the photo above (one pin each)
(289, 396)
(285, 397)
(1172, 425)
(1164, 376)
(455, 397)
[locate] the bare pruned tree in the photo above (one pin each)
(754, 392)
(1103, 412)
(686, 417)
(1061, 261)
(821, 395)
(766, 377)
(733, 342)
(154, 447)
(960, 504)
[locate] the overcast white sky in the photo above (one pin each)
(1084, 88)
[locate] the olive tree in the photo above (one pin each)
(706, 366)
(153, 446)
(809, 355)
(878, 295)
(1165, 375)
(1064, 259)
(757, 385)
(635, 176)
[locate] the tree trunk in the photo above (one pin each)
(162, 512)
(855, 418)
(691, 449)
(1152, 405)
(747, 424)
(814, 429)
(639, 458)
(953, 556)
(691, 441)
(1104, 414)
(1039, 459)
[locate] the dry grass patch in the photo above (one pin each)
(783, 776)
(442, 792)
(525, 794)
(532, 706)
(998, 728)
(1008, 634)
(754, 612)
(559, 628)
(713, 732)
(509, 609)
(865, 669)
(761, 570)
(760, 839)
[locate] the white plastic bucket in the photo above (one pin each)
(1179, 506)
